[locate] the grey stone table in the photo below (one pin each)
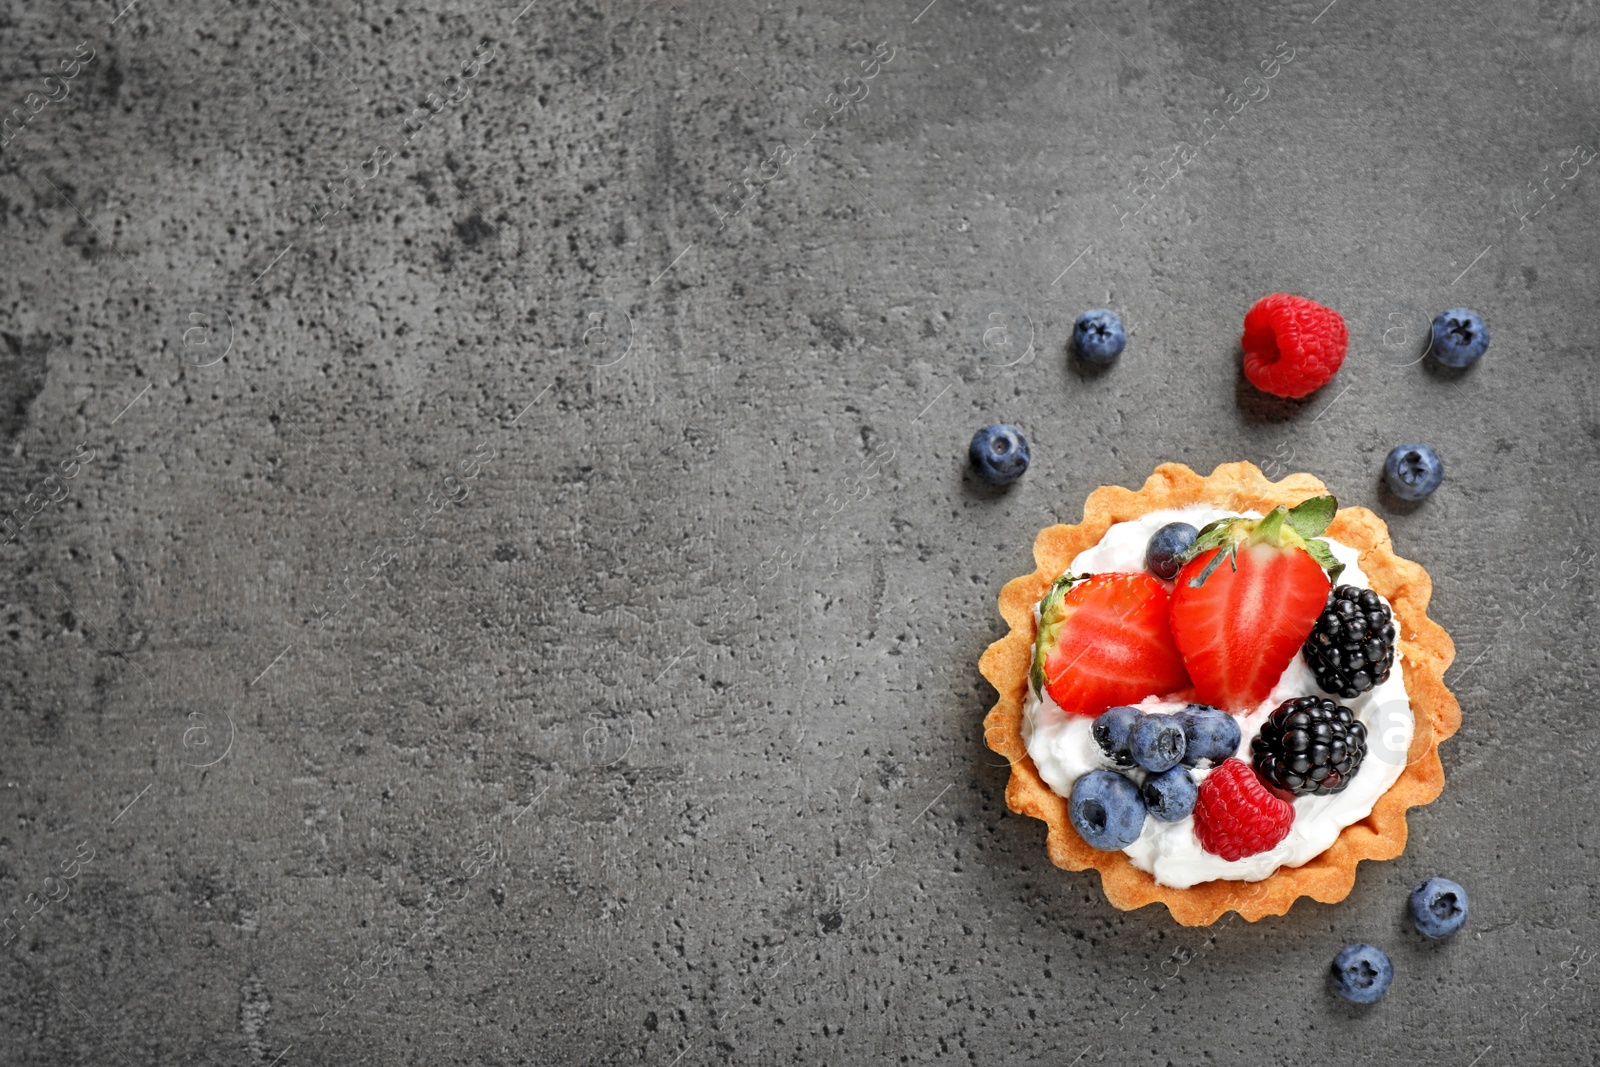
(490, 574)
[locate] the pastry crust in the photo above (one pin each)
(1423, 647)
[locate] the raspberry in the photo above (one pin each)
(1236, 816)
(1292, 346)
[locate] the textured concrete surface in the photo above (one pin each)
(491, 577)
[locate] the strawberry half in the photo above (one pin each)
(1248, 594)
(1105, 640)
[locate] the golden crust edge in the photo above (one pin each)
(1425, 648)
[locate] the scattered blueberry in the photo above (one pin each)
(1106, 810)
(1413, 471)
(1438, 907)
(1209, 734)
(1362, 973)
(1161, 554)
(1111, 732)
(1098, 336)
(1170, 795)
(1157, 742)
(1459, 337)
(999, 453)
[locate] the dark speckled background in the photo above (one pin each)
(491, 575)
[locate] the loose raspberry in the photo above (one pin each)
(1292, 346)
(1236, 816)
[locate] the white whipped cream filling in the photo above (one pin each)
(1062, 747)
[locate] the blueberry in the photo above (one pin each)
(1413, 471)
(1106, 810)
(1111, 732)
(1157, 742)
(1099, 337)
(1161, 554)
(999, 453)
(1170, 795)
(1438, 907)
(1459, 337)
(1209, 734)
(1362, 973)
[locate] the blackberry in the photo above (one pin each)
(1309, 746)
(1351, 648)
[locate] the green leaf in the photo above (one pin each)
(1324, 556)
(1058, 589)
(1205, 572)
(1049, 626)
(1311, 517)
(1212, 535)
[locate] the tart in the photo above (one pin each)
(1316, 831)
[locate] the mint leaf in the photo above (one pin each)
(1311, 517)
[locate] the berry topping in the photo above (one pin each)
(1098, 336)
(1292, 346)
(1104, 640)
(1209, 734)
(1170, 795)
(999, 453)
(1106, 810)
(1412, 471)
(1157, 742)
(1438, 907)
(1351, 649)
(1113, 730)
(1235, 815)
(1459, 337)
(1161, 554)
(1238, 626)
(1362, 973)
(1309, 745)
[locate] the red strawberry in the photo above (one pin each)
(1104, 640)
(1236, 816)
(1246, 599)
(1292, 346)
